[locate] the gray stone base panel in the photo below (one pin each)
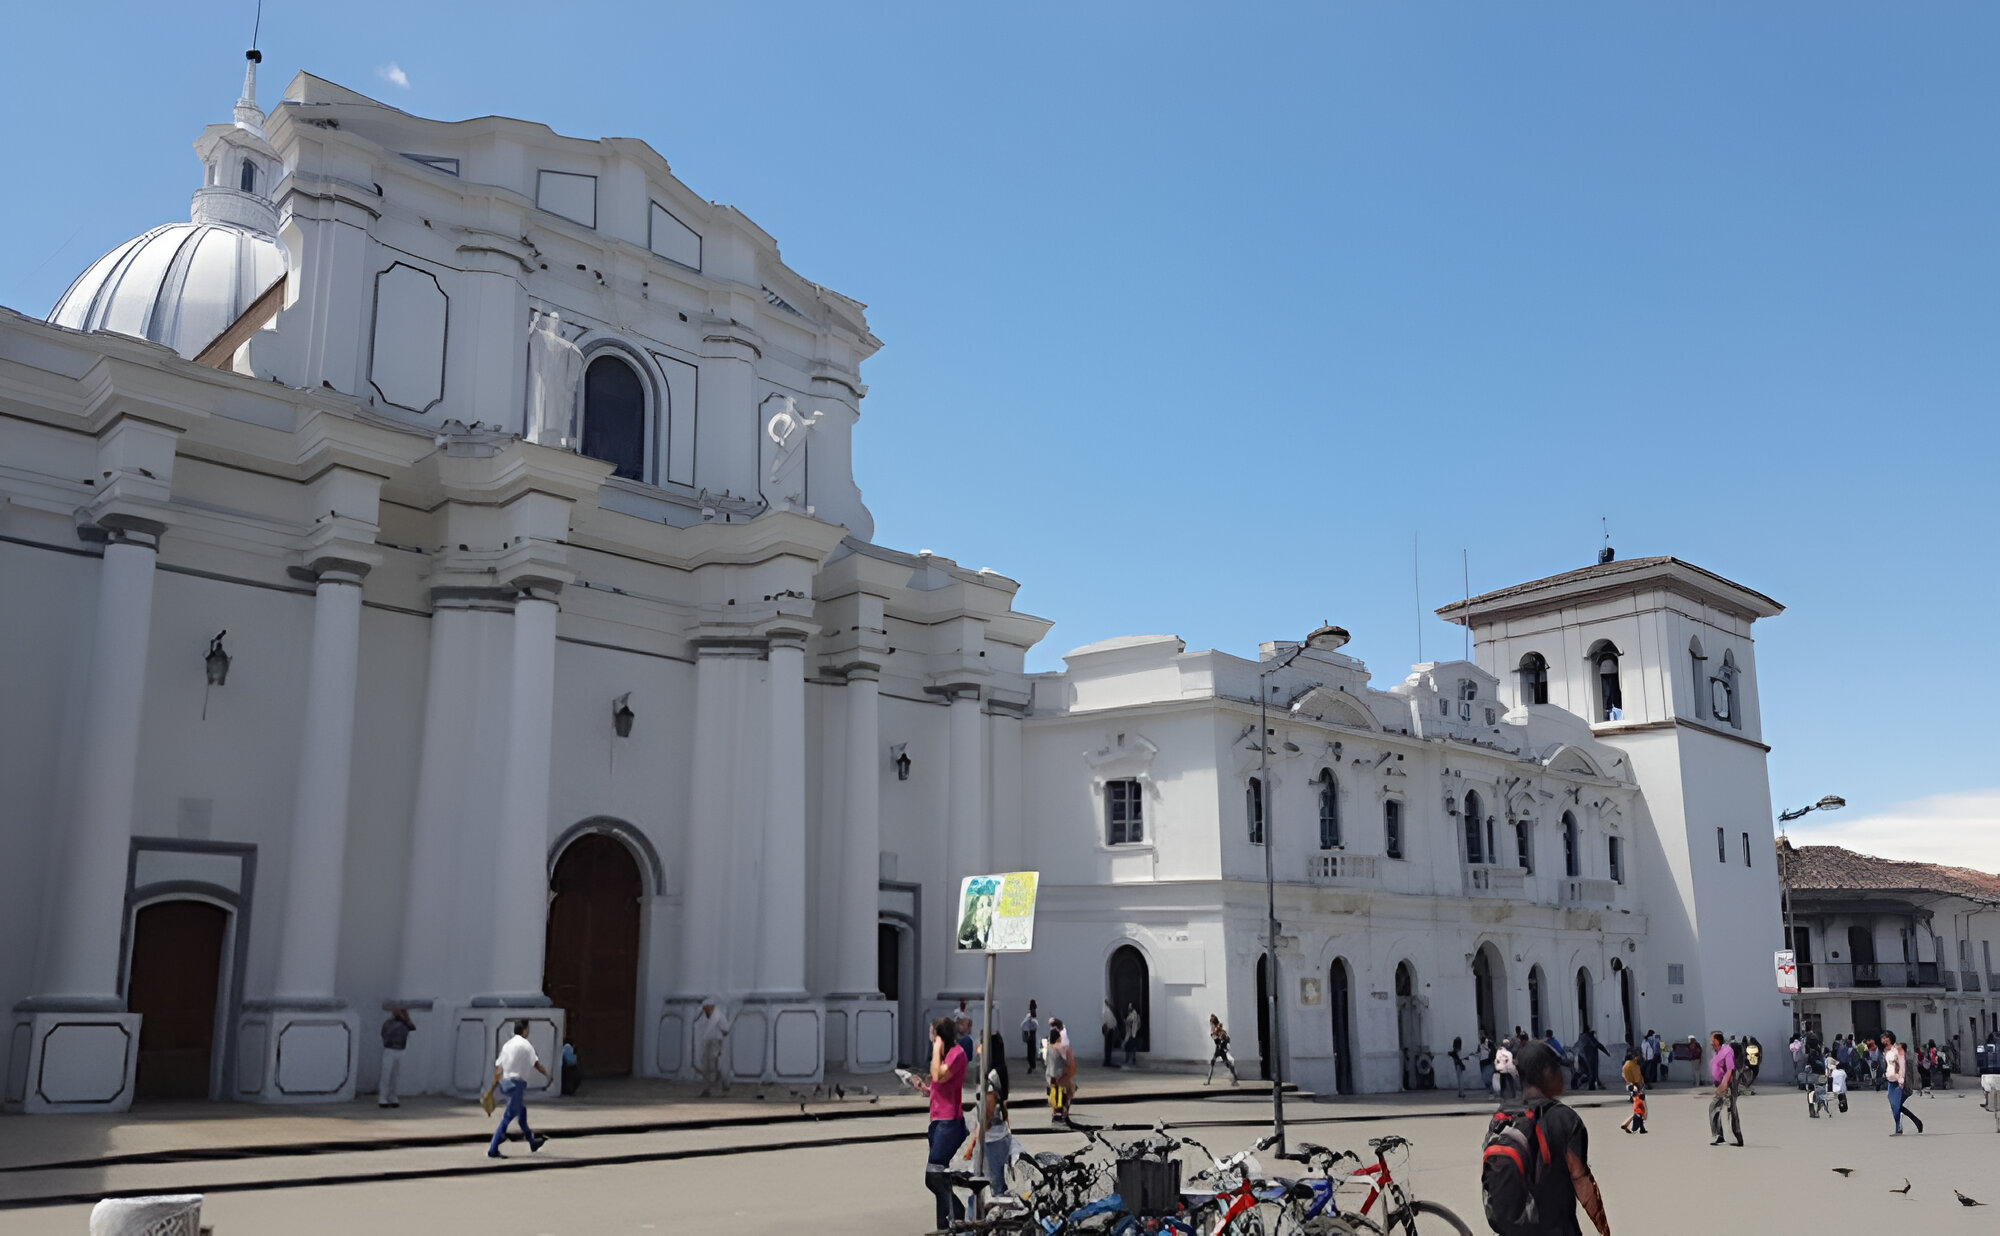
(297, 1055)
(71, 1062)
(860, 1034)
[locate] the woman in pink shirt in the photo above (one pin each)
(946, 1088)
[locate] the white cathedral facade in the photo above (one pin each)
(435, 577)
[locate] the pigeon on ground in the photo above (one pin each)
(1905, 1188)
(838, 1091)
(1963, 1200)
(1845, 1171)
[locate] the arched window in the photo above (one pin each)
(1534, 679)
(1535, 1025)
(1392, 827)
(247, 178)
(1698, 666)
(1475, 829)
(1329, 811)
(1524, 845)
(1725, 691)
(1583, 1018)
(614, 416)
(1604, 667)
(1254, 809)
(1572, 856)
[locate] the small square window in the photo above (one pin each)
(1676, 974)
(1124, 813)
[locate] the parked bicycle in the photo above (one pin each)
(1314, 1210)
(1242, 1202)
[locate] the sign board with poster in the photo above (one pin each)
(1788, 973)
(996, 913)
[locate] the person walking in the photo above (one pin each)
(1694, 1055)
(1896, 1072)
(993, 1123)
(395, 1038)
(1565, 1180)
(1588, 1049)
(1457, 1057)
(1485, 1063)
(1649, 1058)
(510, 1075)
(1031, 1034)
(1503, 1071)
(1837, 1079)
(946, 1087)
(710, 1029)
(1062, 1070)
(1635, 1089)
(1131, 1036)
(1107, 1022)
(1722, 1069)
(1220, 1038)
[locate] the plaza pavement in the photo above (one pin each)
(749, 1166)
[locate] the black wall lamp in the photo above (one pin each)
(901, 758)
(217, 665)
(622, 715)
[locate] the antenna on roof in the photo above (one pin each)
(1417, 594)
(1606, 553)
(256, 28)
(1465, 561)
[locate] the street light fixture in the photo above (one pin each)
(1832, 802)
(1325, 639)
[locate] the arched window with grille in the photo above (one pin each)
(1329, 811)
(247, 177)
(1475, 830)
(614, 416)
(1534, 679)
(1254, 809)
(1572, 855)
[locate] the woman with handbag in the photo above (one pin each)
(946, 1086)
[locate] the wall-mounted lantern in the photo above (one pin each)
(216, 663)
(900, 756)
(622, 715)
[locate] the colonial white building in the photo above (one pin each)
(436, 577)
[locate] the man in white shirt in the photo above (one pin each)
(510, 1075)
(1031, 1032)
(710, 1028)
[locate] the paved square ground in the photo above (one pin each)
(864, 1175)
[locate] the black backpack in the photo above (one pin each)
(1511, 1162)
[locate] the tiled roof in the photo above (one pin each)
(1833, 868)
(1455, 611)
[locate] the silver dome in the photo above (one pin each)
(182, 284)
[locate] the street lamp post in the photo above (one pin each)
(1327, 637)
(1832, 802)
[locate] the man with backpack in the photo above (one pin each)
(1535, 1169)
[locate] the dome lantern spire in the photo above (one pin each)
(248, 114)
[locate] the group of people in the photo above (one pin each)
(1865, 1063)
(1499, 1062)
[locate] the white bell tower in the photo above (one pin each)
(1657, 656)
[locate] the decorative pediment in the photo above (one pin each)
(1335, 707)
(1570, 758)
(1126, 756)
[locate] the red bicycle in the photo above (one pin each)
(1311, 1212)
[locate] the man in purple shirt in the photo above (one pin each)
(1722, 1068)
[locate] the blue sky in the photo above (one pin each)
(1196, 319)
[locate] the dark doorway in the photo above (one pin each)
(1340, 1001)
(892, 961)
(1489, 988)
(1867, 1019)
(1263, 1018)
(175, 978)
(1127, 981)
(590, 968)
(1409, 1026)
(1584, 1019)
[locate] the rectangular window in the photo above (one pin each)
(1617, 853)
(1721, 845)
(1475, 840)
(1124, 813)
(1254, 808)
(1524, 850)
(1676, 974)
(1392, 828)
(1746, 849)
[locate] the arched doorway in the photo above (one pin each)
(590, 966)
(1409, 1025)
(1340, 1003)
(1583, 1001)
(1264, 1017)
(1489, 991)
(1537, 1023)
(1126, 981)
(175, 977)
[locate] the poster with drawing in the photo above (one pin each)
(996, 913)
(1788, 973)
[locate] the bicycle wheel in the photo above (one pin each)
(1427, 1219)
(1340, 1225)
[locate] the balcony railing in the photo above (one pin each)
(1484, 881)
(1583, 892)
(1846, 974)
(1349, 869)
(1969, 979)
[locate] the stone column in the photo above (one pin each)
(781, 962)
(860, 1023)
(86, 1063)
(521, 841)
(314, 1040)
(965, 847)
(708, 879)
